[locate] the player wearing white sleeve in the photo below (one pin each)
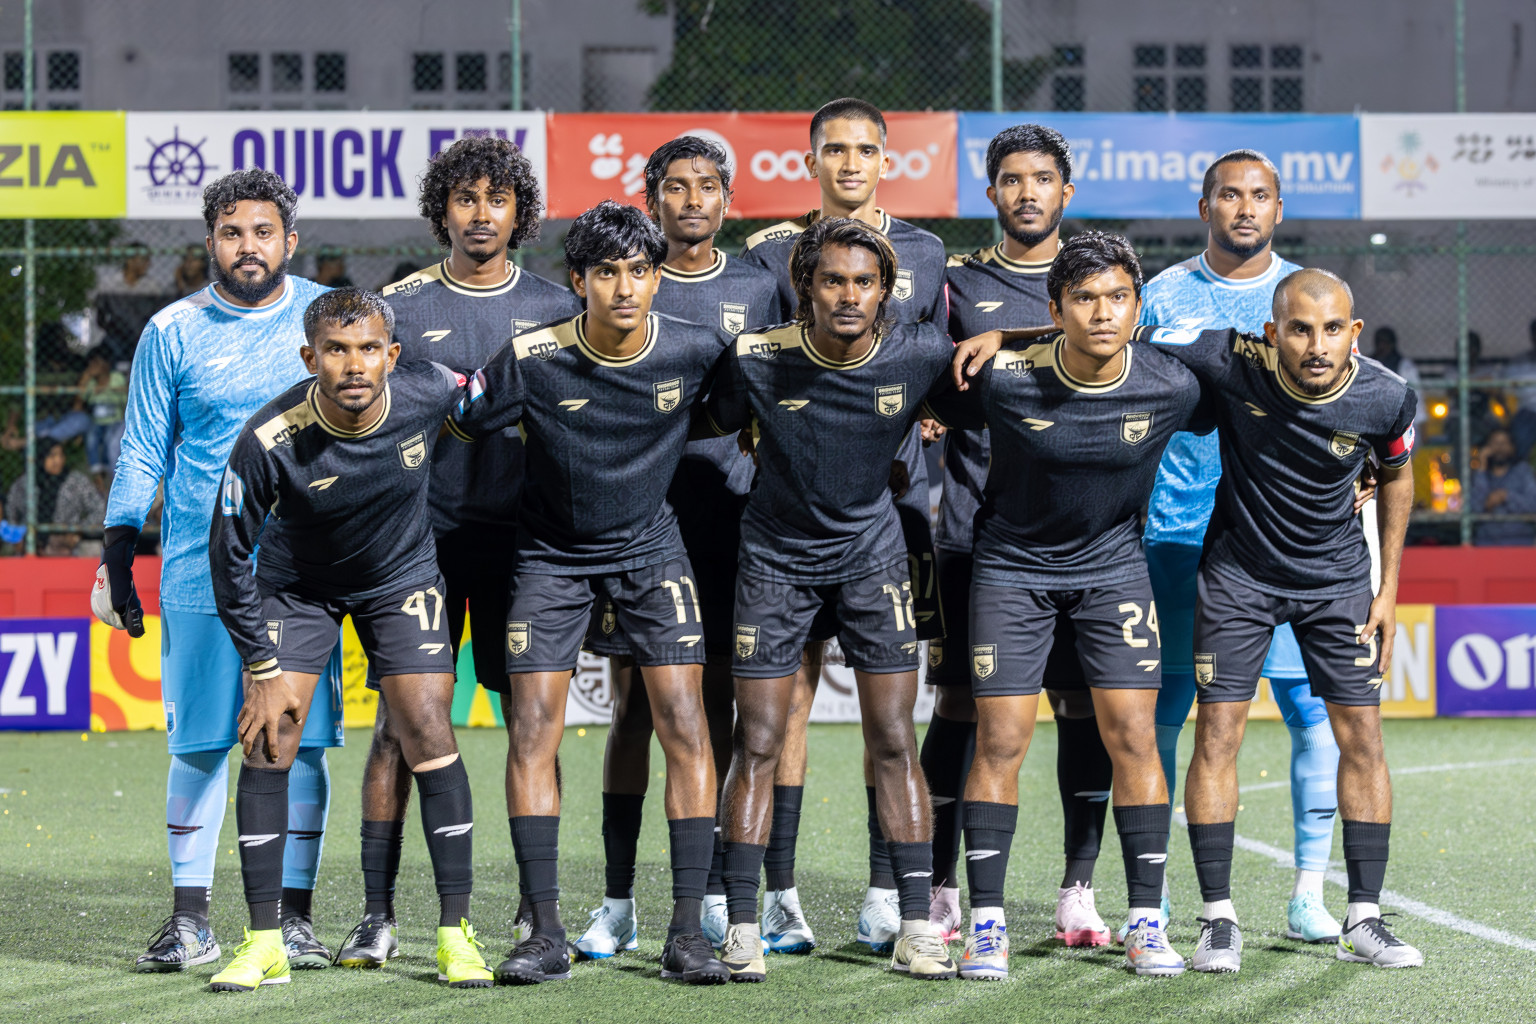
(204, 365)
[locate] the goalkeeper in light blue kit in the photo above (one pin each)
(203, 366)
(1231, 284)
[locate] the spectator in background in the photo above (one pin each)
(104, 394)
(125, 300)
(331, 269)
(1504, 486)
(192, 272)
(1385, 352)
(64, 496)
(1522, 428)
(403, 270)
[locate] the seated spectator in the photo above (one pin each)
(64, 496)
(126, 298)
(331, 269)
(1385, 352)
(104, 394)
(1523, 427)
(1504, 486)
(192, 272)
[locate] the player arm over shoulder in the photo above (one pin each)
(246, 493)
(490, 399)
(1394, 495)
(724, 409)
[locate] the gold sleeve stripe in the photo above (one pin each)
(925, 412)
(268, 669)
(719, 431)
(456, 432)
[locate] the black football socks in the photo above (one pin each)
(381, 842)
(261, 815)
(448, 818)
(1084, 774)
(621, 839)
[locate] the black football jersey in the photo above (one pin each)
(918, 293)
(1284, 521)
(603, 438)
(821, 510)
(336, 513)
(1073, 463)
(738, 298)
(987, 291)
(444, 320)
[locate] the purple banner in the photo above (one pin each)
(45, 674)
(1486, 659)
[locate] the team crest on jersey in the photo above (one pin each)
(519, 637)
(170, 717)
(1205, 669)
(891, 399)
(733, 317)
(901, 290)
(935, 653)
(1135, 426)
(669, 394)
(983, 660)
(764, 349)
(746, 641)
(545, 350)
(1343, 443)
(610, 619)
(413, 451)
(275, 632)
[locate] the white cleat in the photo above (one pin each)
(1369, 942)
(613, 928)
(986, 948)
(1220, 949)
(784, 927)
(715, 920)
(1078, 923)
(880, 920)
(944, 912)
(1147, 950)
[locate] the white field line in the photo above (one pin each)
(1444, 918)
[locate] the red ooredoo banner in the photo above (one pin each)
(593, 157)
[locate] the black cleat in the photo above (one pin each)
(688, 956)
(370, 944)
(305, 952)
(537, 959)
(184, 940)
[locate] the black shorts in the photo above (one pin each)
(402, 633)
(874, 616)
(947, 664)
(716, 585)
(1013, 632)
(927, 598)
(657, 606)
(1233, 626)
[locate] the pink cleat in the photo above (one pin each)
(944, 912)
(1078, 924)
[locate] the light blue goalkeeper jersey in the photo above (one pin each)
(203, 367)
(1193, 296)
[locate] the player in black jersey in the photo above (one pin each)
(1299, 414)
(831, 398)
(481, 199)
(1077, 426)
(603, 401)
(1030, 171)
(847, 159)
(331, 478)
(688, 190)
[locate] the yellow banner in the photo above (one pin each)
(62, 164)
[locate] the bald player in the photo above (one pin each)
(1299, 414)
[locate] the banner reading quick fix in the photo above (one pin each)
(1487, 659)
(1152, 165)
(45, 674)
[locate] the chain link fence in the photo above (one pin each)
(75, 294)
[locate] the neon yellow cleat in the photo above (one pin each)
(459, 963)
(262, 959)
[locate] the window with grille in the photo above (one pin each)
(1068, 86)
(57, 80)
(285, 79)
(1168, 77)
(1268, 78)
(462, 80)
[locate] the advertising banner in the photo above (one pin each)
(64, 164)
(1486, 659)
(343, 164)
(593, 157)
(1152, 165)
(1448, 166)
(45, 674)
